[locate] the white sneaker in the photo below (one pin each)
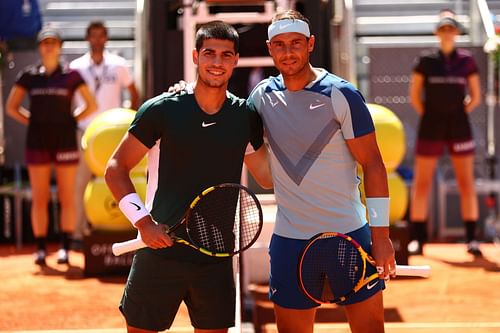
(62, 256)
(39, 257)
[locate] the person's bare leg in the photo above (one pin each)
(293, 320)
(463, 165)
(40, 193)
(422, 184)
(83, 177)
(66, 180)
(366, 316)
(419, 203)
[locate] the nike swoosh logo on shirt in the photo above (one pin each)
(315, 106)
(203, 124)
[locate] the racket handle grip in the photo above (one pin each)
(127, 246)
(422, 271)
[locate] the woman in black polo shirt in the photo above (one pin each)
(51, 137)
(438, 92)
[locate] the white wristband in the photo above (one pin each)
(132, 207)
(378, 211)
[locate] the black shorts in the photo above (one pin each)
(156, 286)
(440, 130)
(437, 147)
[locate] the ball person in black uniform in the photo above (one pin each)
(438, 92)
(51, 137)
(194, 139)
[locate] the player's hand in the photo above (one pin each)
(178, 87)
(152, 234)
(383, 253)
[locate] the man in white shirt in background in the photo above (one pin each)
(107, 75)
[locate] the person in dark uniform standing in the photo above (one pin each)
(444, 89)
(51, 137)
(194, 139)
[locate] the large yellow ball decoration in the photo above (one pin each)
(101, 207)
(390, 135)
(103, 135)
(398, 194)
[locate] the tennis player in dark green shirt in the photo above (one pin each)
(194, 139)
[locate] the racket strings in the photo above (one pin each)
(330, 269)
(248, 222)
(353, 265)
(225, 220)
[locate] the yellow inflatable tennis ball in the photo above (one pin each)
(101, 207)
(390, 135)
(398, 194)
(103, 135)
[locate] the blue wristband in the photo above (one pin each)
(378, 211)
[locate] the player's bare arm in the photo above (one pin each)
(366, 152)
(259, 166)
(416, 90)
(14, 107)
(134, 96)
(474, 98)
(128, 154)
(90, 103)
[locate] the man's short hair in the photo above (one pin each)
(217, 30)
(290, 15)
(96, 25)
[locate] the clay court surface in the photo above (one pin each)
(463, 295)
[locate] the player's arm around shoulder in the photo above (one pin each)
(257, 160)
(259, 166)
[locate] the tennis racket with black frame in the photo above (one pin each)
(222, 221)
(332, 267)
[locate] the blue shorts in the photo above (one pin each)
(284, 287)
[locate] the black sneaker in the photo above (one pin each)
(473, 248)
(39, 257)
(415, 248)
(62, 256)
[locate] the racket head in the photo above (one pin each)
(331, 267)
(224, 220)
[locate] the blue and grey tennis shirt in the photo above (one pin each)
(315, 176)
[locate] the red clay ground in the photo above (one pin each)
(463, 295)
